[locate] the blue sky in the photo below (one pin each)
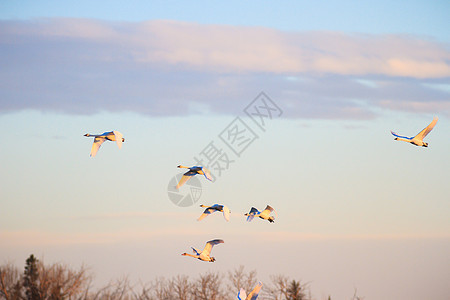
(405, 17)
(171, 77)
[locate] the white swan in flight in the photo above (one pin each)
(106, 136)
(242, 295)
(418, 139)
(265, 214)
(193, 171)
(216, 207)
(204, 255)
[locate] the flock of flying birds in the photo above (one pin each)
(204, 255)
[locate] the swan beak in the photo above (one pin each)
(87, 134)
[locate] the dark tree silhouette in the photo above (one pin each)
(283, 289)
(295, 291)
(30, 278)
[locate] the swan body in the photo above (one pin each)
(418, 139)
(216, 207)
(242, 295)
(106, 136)
(205, 254)
(192, 172)
(265, 214)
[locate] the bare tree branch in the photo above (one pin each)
(10, 282)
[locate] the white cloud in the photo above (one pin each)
(223, 48)
(177, 68)
(253, 49)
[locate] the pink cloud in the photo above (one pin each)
(256, 49)
(52, 238)
(177, 68)
(431, 107)
(417, 68)
(224, 48)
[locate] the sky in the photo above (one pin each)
(313, 89)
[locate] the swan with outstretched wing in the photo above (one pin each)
(242, 295)
(418, 139)
(212, 209)
(265, 214)
(192, 172)
(106, 136)
(205, 254)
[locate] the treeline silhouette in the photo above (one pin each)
(58, 281)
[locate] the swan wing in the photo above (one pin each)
(254, 294)
(195, 251)
(226, 213)
(209, 246)
(253, 212)
(217, 207)
(183, 180)
(206, 213)
(203, 215)
(207, 174)
(105, 134)
(268, 210)
(242, 295)
(191, 172)
(98, 141)
(400, 136)
(119, 138)
(250, 218)
(276, 214)
(421, 135)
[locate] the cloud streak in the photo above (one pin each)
(222, 48)
(175, 68)
(132, 215)
(41, 238)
